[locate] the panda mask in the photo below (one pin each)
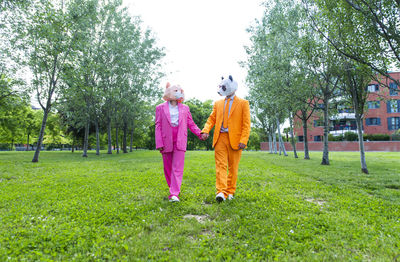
(227, 86)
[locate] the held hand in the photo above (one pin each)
(204, 136)
(160, 149)
(242, 146)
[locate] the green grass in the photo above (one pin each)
(114, 207)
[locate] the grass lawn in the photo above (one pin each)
(114, 207)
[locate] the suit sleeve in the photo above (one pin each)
(158, 131)
(192, 126)
(210, 121)
(246, 123)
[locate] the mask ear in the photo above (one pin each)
(168, 85)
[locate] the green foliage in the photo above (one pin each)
(396, 135)
(335, 138)
(254, 141)
(114, 207)
(376, 137)
(150, 141)
(17, 119)
(90, 61)
(350, 136)
(200, 112)
(363, 31)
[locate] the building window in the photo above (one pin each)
(317, 138)
(301, 138)
(393, 106)
(393, 89)
(374, 104)
(373, 121)
(373, 88)
(393, 123)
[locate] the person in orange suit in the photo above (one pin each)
(231, 118)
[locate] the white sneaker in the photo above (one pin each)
(174, 199)
(220, 197)
(230, 197)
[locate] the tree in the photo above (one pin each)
(322, 63)
(31, 125)
(200, 112)
(49, 31)
(357, 77)
(111, 81)
(365, 31)
(274, 66)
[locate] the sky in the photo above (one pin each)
(203, 40)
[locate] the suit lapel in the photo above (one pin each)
(221, 109)
(234, 105)
(180, 110)
(166, 112)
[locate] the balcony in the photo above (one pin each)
(343, 116)
(341, 129)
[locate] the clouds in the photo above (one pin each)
(203, 39)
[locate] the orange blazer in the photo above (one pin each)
(238, 121)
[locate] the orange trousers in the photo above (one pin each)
(226, 165)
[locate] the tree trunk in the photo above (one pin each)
(364, 168)
(41, 135)
(325, 154)
(274, 141)
(292, 136)
(124, 139)
(131, 145)
(270, 144)
(73, 145)
(281, 144)
(305, 139)
(86, 140)
(97, 137)
(109, 137)
(116, 139)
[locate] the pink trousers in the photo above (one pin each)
(173, 167)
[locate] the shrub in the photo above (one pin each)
(376, 137)
(350, 136)
(335, 138)
(396, 135)
(4, 146)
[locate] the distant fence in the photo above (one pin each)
(384, 146)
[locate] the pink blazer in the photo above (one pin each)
(164, 128)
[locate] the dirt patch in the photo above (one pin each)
(318, 202)
(200, 218)
(209, 233)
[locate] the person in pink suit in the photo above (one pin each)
(172, 122)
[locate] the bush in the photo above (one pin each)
(396, 135)
(350, 136)
(335, 138)
(376, 137)
(4, 146)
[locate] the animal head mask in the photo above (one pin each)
(174, 92)
(227, 86)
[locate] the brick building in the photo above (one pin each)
(381, 117)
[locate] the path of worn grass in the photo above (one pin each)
(114, 208)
